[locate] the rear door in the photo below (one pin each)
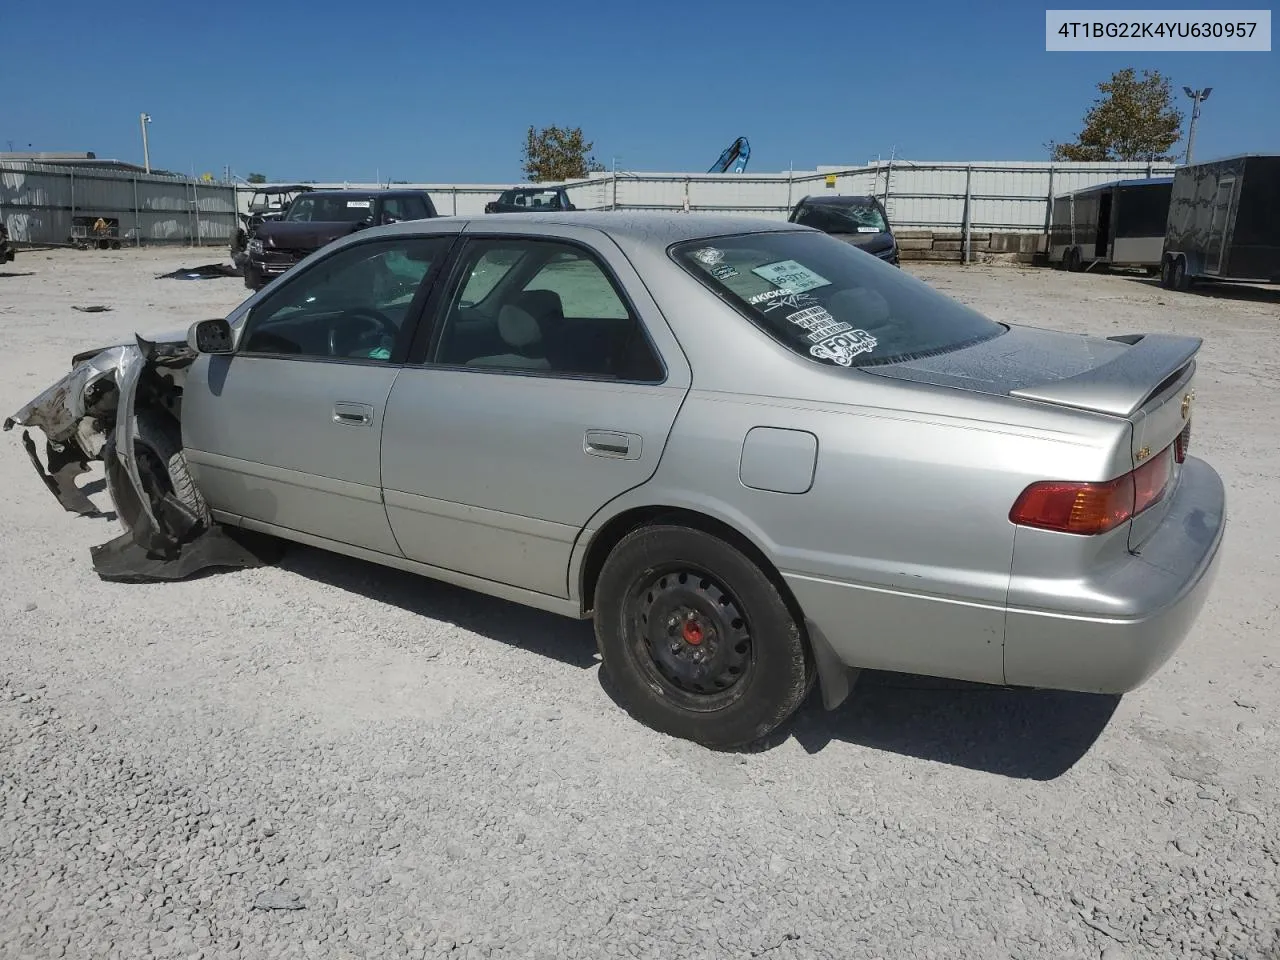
(549, 389)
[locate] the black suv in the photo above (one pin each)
(857, 220)
(319, 217)
(530, 200)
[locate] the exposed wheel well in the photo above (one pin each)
(612, 532)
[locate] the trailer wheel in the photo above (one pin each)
(1073, 264)
(1181, 281)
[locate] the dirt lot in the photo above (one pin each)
(329, 759)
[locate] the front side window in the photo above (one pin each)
(829, 301)
(329, 209)
(542, 306)
(350, 306)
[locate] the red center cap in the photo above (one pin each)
(692, 632)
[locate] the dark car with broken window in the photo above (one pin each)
(861, 221)
(530, 200)
(319, 217)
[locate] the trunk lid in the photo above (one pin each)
(1148, 380)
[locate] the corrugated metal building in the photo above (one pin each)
(39, 203)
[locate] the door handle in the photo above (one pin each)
(612, 444)
(352, 414)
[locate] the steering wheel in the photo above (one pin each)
(373, 319)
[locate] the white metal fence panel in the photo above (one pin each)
(40, 202)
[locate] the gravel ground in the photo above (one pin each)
(330, 759)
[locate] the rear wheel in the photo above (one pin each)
(697, 640)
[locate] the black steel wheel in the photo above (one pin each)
(697, 639)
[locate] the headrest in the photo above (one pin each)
(517, 327)
(542, 304)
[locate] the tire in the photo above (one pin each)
(693, 588)
(252, 276)
(158, 436)
(1074, 265)
(1180, 282)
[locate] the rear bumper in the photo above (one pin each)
(1156, 595)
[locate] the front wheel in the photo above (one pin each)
(162, 467)
(697, 640)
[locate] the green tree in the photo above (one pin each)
(257, 178)
(558, 153)
(1134, 119)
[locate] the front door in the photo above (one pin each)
(1219, 216)
(286, 430)
(542, 398)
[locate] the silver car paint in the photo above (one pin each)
(501, 482)
(899, 550)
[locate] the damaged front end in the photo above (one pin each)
(95, 413)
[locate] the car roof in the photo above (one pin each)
(362, 193)
(647, 228)
(837, 201)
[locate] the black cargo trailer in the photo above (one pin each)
(1224, 222)
(1120, 224)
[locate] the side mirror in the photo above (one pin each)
(210, 336)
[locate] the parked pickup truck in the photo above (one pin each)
(318, 218)
(530, 200)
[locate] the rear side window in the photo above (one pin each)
(829, 301)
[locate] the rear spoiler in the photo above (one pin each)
(1120, 387)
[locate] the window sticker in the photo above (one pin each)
(725, 271)
(790, 276)
(779, 298)
(818, 323)
(868, 229)
(844, 347)
(360, 204)
(708, 256)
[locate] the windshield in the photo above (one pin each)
(542, 199)
(859, 216)
(330, 209)
(829, 300)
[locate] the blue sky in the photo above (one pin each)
(432, 92)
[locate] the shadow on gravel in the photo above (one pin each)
(1218, 291)
(12, 273)
(557, 638)
(1025, 734)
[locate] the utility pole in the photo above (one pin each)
(1198, 97)
(143, 120)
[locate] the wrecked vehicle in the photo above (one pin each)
(320, 217)
(122, 405)
(267, 203)
(757, 457)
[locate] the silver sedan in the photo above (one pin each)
(757, 456)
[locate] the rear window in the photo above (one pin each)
(830, 301)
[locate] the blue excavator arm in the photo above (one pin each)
(735, 156)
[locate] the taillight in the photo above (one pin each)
(1182, 444)
(1092, 508)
